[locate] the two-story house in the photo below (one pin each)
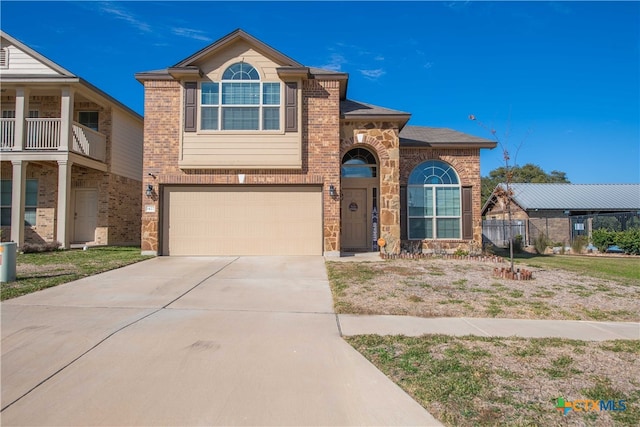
(71, 155)
(248, 152)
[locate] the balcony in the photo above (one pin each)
(44, 135)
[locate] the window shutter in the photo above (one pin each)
(190, 106)
(403, 213)
(291, 107)
(467, 213)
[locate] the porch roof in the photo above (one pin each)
(423, 136)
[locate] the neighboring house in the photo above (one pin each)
(249, 152)
(71, 155)
(562, 211)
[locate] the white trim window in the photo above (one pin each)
(434, 203)
(240, 101)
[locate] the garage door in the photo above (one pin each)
(242, 220)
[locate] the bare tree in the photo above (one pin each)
(506, 193)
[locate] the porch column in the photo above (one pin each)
(66, 116)
(63, 233)
(22, 112)
(18, 191)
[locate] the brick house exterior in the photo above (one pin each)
(240, 139)
(71, 156)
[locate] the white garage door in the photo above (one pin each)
(242, 220)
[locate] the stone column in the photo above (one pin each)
(63, 214)
(18, 190)
(22, 112)
(66, 116)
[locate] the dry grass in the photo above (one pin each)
(463, 288)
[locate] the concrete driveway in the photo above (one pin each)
(192, 341)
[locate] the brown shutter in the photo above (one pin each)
(291, 107)
(403, 213)
(190, 106)
(467, 213)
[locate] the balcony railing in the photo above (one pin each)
(44, 135)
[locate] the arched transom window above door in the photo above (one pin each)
(359, 163)
(433, 199)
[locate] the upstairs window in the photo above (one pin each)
(433, 198)
(88, 119)
(240, 101)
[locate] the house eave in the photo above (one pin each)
(184, 72)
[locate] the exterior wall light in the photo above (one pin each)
(332, 191)
(149, 190)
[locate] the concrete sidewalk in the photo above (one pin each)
(415, 326)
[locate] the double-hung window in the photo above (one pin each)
(433, 198)
(240, 101)
(30, 203)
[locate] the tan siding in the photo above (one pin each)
(243, 220)
(231, 151)
(126, 154)
(214, 67)
(20, 62)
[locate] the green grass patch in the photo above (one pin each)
(478, 381)
(623, 269)
(37, 271)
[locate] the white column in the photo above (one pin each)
(18, 191)
(66, 116)
(63, 214)
(22, 112)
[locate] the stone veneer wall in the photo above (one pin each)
(320, 155)
(466, 162)
(382, 139)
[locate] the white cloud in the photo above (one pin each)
(373, 74)
(191, 33)
(120, 13)
(335, 62)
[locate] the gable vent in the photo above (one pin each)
(4, 58)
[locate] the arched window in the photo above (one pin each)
(433, 198)
(240, 101)
(358, 163)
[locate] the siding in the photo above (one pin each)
(126, 151)
(21, 63)
(232, 150)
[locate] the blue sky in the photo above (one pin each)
(558, 81)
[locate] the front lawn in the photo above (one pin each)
(36, 271)
(564, 288)
(478, 381)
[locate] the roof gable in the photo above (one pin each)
(232, 38)
(24, 61)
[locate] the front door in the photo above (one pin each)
(354, 218)
(85, 215)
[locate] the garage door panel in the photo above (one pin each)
(242, 221)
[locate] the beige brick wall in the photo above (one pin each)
(320, 154)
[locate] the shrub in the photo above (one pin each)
(603, 238)
(517, 243)
(629, 241)
(460, 252)
(28, 248)
(578, 244)
(541, 242)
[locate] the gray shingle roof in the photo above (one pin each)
(422, 136)
(588, 197)
(349, 107)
